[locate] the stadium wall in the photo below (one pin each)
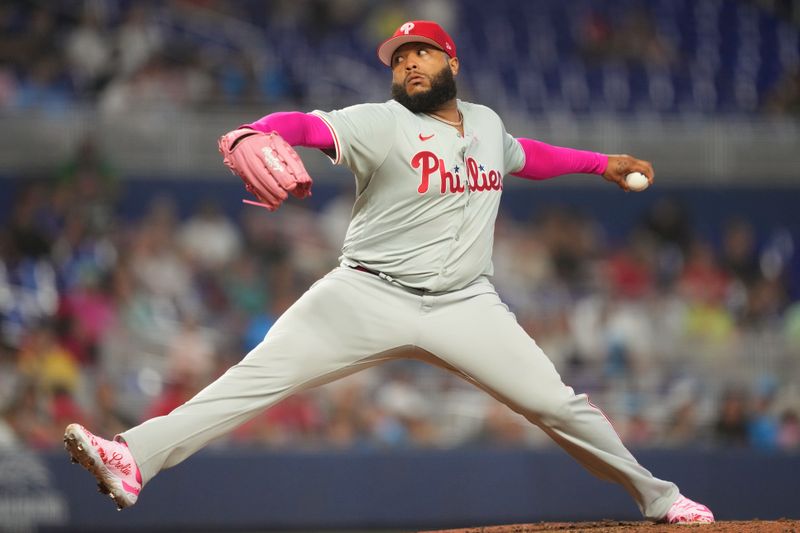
(374, 489)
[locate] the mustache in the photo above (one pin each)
(413, 75)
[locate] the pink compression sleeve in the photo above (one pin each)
(543, 161)
(297, 129)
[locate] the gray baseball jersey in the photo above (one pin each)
(424, 216)
(426, 196)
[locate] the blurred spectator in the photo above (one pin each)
(763, 427)
(87, 312)
(570, 241)
(785, 97)
(596, 36)
(638, 431)
(791, 328)
(40, 36)
(176, 391)
(28, 417)
(405, 420)
(28, 290)
(501, 428)
(348, 413)
(739, 254)
(765, 302)
(682, 427)
(43, 89)
(669, 221)
(108, 416)
(43, 362)
(702, 279)
(637, 39)
(155, 262)
(89, 51)
(789, 431)
(138, 38)
(730, 428)
(704, 285)
(191, 353)
(208, 238)
(88, 184)
(630, 270)
(291, 423)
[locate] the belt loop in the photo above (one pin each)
(389, 279)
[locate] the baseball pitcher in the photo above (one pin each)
(413, 279)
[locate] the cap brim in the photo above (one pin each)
(388, 47)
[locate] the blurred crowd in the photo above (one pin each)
(666, 56)
(122, 54)
(109, 320)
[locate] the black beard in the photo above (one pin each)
(443, 89)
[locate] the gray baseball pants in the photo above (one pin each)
(351, 320)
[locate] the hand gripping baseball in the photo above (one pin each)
(268, 165)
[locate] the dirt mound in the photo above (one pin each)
(609, 526)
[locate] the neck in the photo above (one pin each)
(448, 111)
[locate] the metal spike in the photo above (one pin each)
(73, 460)
(80, 447)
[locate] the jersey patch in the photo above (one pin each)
(478, 179)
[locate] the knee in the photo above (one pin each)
(554, 410)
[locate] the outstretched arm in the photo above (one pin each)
(544, 161)
(297, 129)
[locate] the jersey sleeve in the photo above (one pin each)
(363, 135)
(513, 154)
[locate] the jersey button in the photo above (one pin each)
(457, 237)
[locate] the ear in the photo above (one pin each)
(453, 61)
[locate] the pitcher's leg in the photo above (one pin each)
(495, 353)
(338, 327)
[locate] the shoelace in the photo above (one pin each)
(115, 460)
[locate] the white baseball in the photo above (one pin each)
(636, 181)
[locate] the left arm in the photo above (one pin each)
(544, 161)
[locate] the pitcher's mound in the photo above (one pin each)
(608, 526)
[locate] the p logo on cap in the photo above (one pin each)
(416, 31)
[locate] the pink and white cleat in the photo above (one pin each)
(686, 511)
(109, 461)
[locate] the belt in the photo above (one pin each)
(386, 277)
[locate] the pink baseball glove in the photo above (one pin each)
(268, 165)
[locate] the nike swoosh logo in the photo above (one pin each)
(421, 138)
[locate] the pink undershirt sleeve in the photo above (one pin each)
(297, 129)
(544, 161)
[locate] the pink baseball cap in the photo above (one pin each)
(416, 31)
